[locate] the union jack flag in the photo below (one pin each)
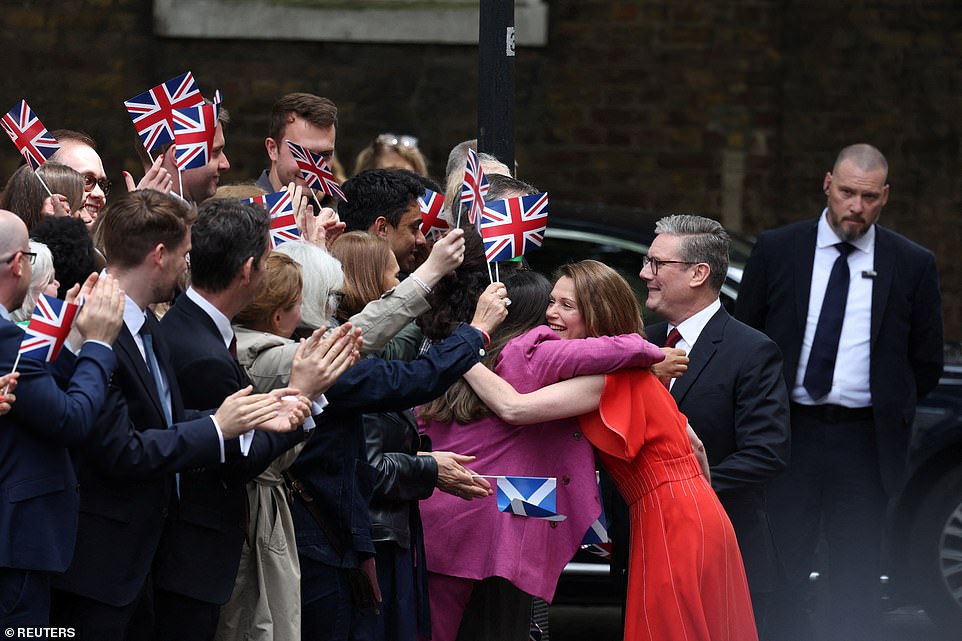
(475, 187)
(48, 328)
(194, 136)
(281, 208)
(29, 135)
(512, 226)
(152, 112)
(431, 204)
(315, 171)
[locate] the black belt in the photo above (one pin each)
(833, 413)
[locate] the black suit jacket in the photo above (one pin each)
(200, 548)
(126, 471)
(736, 401)
(906, 342)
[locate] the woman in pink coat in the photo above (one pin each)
(470, 542)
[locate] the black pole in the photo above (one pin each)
(496, 80)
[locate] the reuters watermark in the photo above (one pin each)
(39, 633)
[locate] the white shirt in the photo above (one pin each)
(691, 328)
(850, 383)
(227, 335)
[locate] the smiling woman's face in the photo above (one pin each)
(563, 314)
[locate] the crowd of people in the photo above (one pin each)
(242, 441)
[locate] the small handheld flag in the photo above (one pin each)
(474, 189)
(48, 329)
(152, 112)
(281, 208)
(431, 204)
(531, 496)
(32, 139)
(194, 129)
(512, 226)
(315, 170)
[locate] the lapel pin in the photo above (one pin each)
(869, 273)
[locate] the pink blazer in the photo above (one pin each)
(472, 539)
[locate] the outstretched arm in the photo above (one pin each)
(562, 400)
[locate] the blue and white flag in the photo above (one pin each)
(531, 496)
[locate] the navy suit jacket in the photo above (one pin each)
(333, 465)
(906, 342)
(38, 488)
(736, 401)
(126, 469)
(200, 548)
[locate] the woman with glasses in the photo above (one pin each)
(389, 151)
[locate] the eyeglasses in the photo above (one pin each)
(392, 140)
(32, 256)
(90, 181)
(656, 264)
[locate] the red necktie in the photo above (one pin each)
(673, 337)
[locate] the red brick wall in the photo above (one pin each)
(631, 103)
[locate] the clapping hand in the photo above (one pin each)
(157, 178)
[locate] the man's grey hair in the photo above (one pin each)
(703, 240)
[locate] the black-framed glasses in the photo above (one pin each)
(90, 181)
(656, 264)
(392, 140)
(32, 256)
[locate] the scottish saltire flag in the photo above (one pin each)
(32, 139)
(48, 328)
(152, 112)
(194, 136)
(474, 189)
(281, 208)
(431, 204)
(315, 171)
(531, 496)
(512, 226)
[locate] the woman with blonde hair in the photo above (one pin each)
(388, 151)
(370, 269)
(43, 280)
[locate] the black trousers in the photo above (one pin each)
(24, 599)
(94, 620)
(832, 490)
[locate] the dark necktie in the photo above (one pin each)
(232, 348)
(155, 373)
(821, 361)
(670, 341)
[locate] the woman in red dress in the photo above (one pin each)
(686, 580)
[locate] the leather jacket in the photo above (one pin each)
(402, 477)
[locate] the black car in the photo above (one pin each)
(924, 545)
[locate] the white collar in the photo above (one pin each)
(827, 236)
(691, 328)
(221, 321)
